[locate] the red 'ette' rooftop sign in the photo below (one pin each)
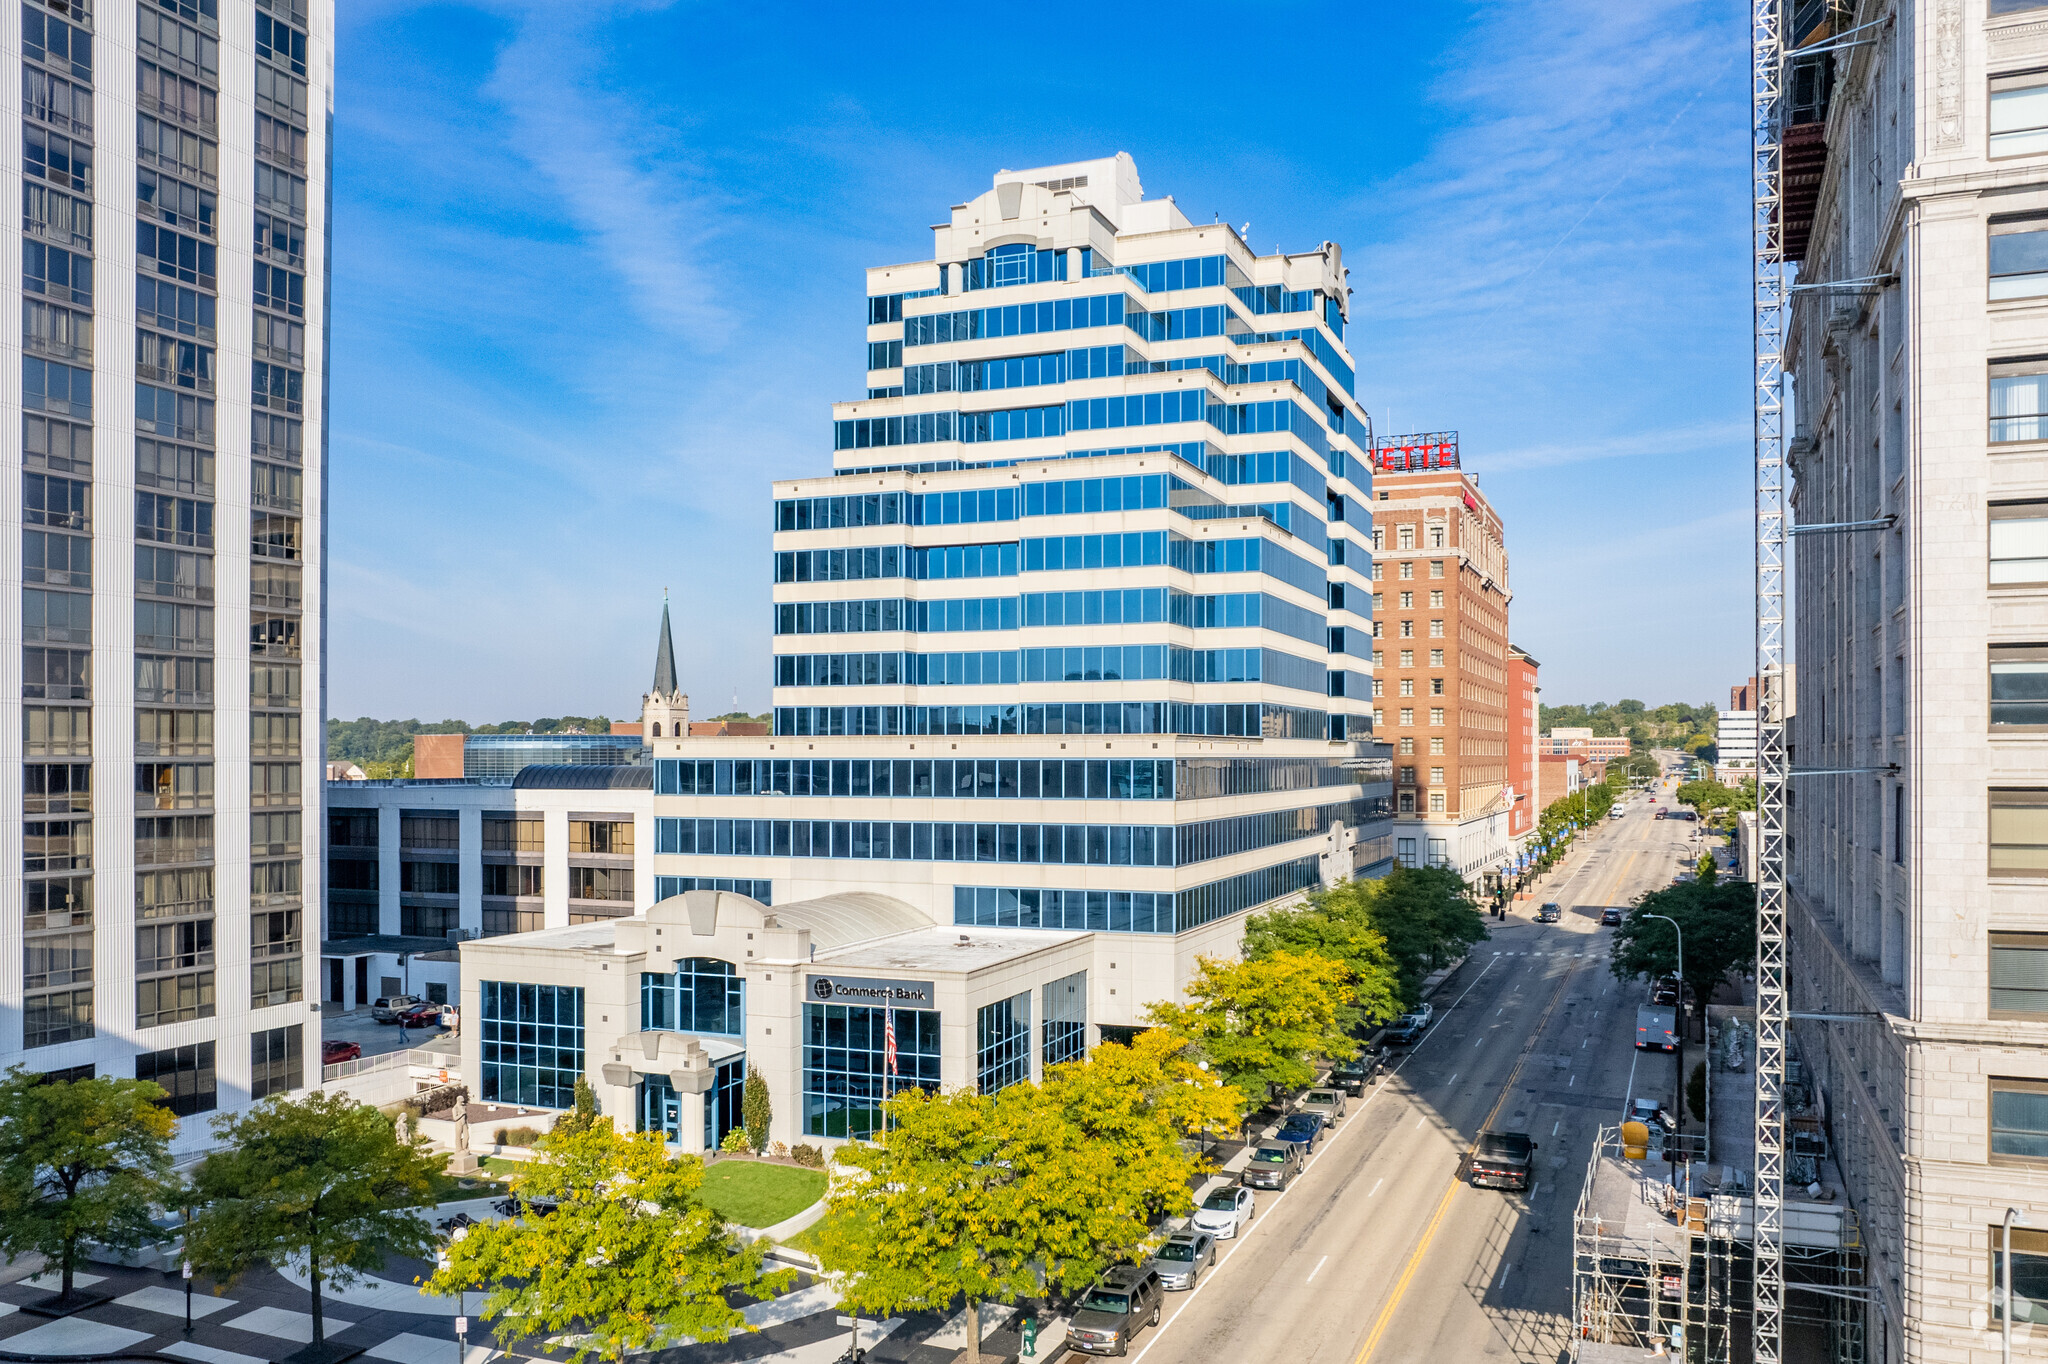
(1404, 454)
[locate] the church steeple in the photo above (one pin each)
(665, 655)
(664, 710)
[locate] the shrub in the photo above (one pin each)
(756, 1110)
(780, 1150)
(808, 1156)
(517, 1136)
(1696, 1091)
(738, 1142)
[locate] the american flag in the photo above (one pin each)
(889, 1039)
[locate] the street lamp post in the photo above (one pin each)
(2013, 1217)
(1684, 1021)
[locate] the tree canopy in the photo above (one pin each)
(1339, 924)
(1141, 1100)
(316, 1182)
(80, 1160)
(986, 1198)
(1709, 797)
(1260, 1023)
(1719, 922)
(632, 1259)
(1646, 726)
(368, 741)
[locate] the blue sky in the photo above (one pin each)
(597, 279)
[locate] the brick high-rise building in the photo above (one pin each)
(1524, 744)
(1440, 621)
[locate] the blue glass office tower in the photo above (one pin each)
(1076, 634)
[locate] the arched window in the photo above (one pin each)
(657, 729)
(705, 995)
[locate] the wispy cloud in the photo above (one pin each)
(1681, 440)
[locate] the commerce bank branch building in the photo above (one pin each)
(1067, 681)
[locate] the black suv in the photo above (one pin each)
(1611, 915)
(1124, 1302)
(1550, 913)
(1503, 1160)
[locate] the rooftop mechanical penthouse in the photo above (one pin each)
(1075, 637)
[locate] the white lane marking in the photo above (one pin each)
(1236, 1241)
(1476, 1041)
(1583, 1045)
(1503, 1277)
(1569, 1083)
(1317, 1270)
(1554, 1126)
(1377, 1182)
(1452, 1080)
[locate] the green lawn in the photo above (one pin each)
(759, 1195)
(807, 1239)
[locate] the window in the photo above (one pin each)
(2019, 832)
(2019, 1121)
(601, 836)
(512, 833)
(1407, 715)
(1436, 715)
(1408, 776)
(1436, 776)
(1436, 746)
(2019, 543)
(186, 1074)
(56, 674)
(2018, 391)
(532, 1040)
(1436, 803)
(1407, 658)
(1407, 629)
(703, 995)
(1404, 538)
(2019, 257)
(1064, 1031)
(432, 831)
(1404, 851)
(352, 828)
(1407, 571)
(429, 878)
(174, 999)
(601, 883)
(1407, 686)
(2019, 975)
(1436, 686)
(59, 959)
(501, 878)
(1407, 803)
(65, 1016)
(1436, 597)
(1899, 824)
(1407, 601)
(275, 1066)
(1436, 658)
(846, 1064)
(1002, 1043)
(2019, 686)
(1436, 629)
(1408, 745)
(2019, 116)
(276, 982)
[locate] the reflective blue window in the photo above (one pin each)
(703, 995)
(1063, 1031)
(665, 886)
(848, 1068)
(532, 1042)
(1014, 263)
(1002, 1043)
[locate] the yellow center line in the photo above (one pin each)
(1386, 1317)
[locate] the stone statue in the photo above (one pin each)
(462, 1162)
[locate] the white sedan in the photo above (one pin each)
(1224, 1213)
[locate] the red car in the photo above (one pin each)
(334, 1053)
(422, 1016)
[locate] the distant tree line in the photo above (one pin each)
(383, 748)
(1676, 725)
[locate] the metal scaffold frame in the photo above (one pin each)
(1767, 82)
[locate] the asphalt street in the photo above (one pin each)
(1380, 1253)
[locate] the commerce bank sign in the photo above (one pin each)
(899, 994)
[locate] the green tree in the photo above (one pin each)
(757, 1111)
(319, 1183)
(1141, 1100)
(1719, 923)
(1261, 1023)
(1706, 870)
(1429, 920)
(83, 1160)
(985, 1198)
(583, 1113)
(1338, 924)
(1696, 1092)
(631, 1260)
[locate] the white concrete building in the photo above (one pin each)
(161, 692)
(1735, 747)
(1072, 667)
(1917, 167)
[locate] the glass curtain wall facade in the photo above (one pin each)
(164, 656)
(1129, 606)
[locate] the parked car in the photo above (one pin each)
(1272, 1164)
(1180, 1262)
(1406, 1030)
(1656, 1029)
(389, 1007)
(1503, 1160)
(1663, 814)
(1123, 1303)
(1551, 912)
(1328, 1104)
(334, 1053)
(1353, 1076)
(1664, 991)
(422, 1016)
(1227, 1211)
(1303, 1130)
(1610, 915)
